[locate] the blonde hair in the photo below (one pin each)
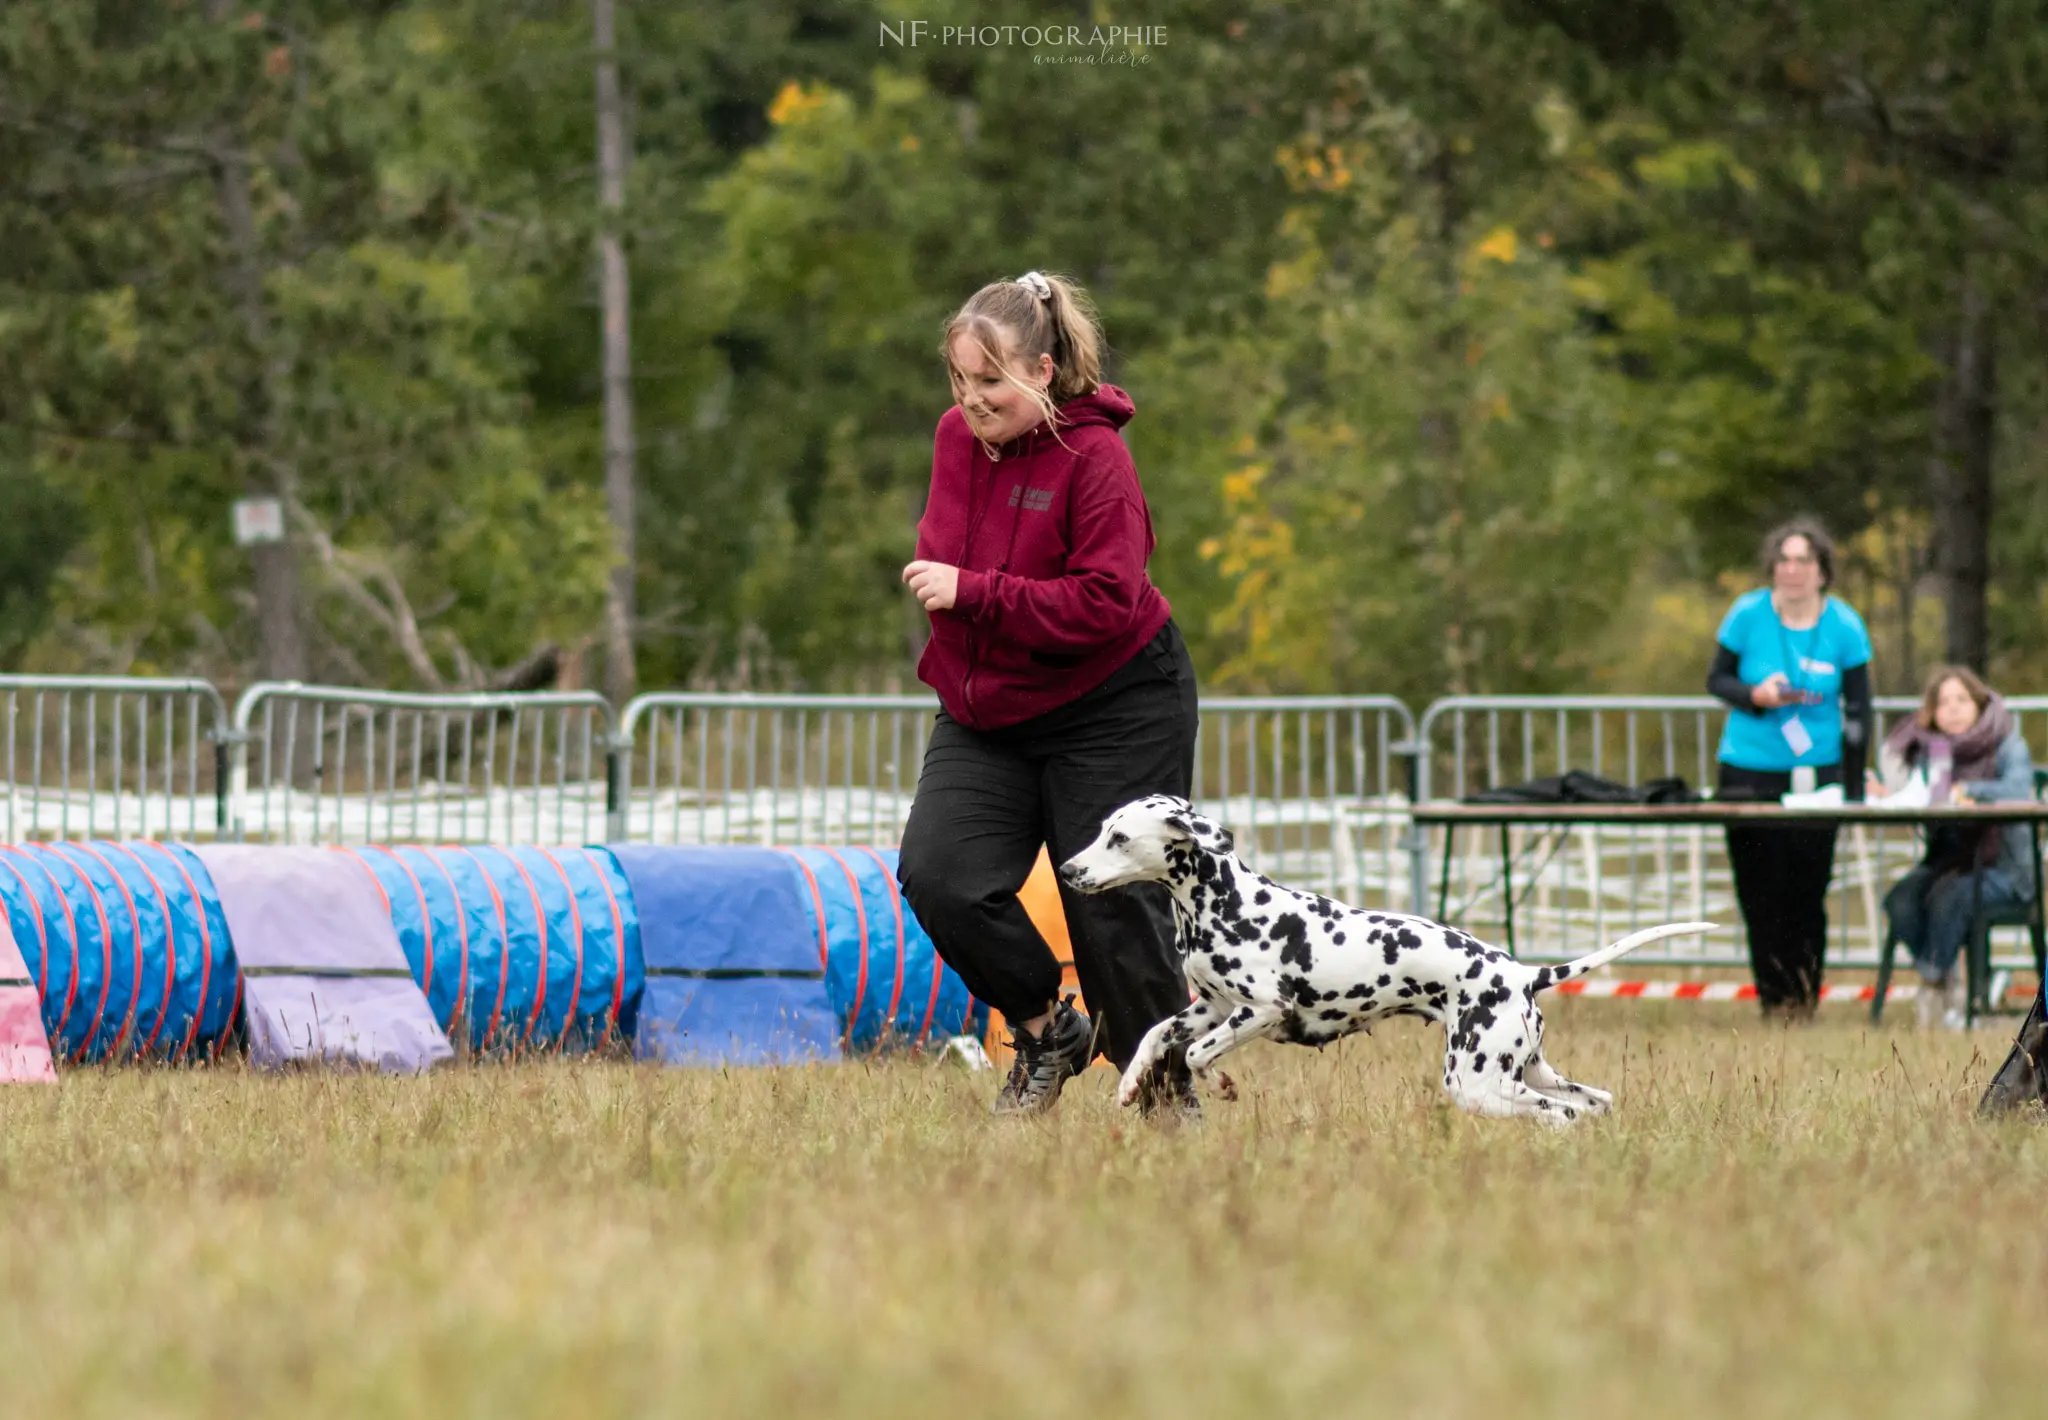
(1038, 313)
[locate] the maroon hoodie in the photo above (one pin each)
(1051, 543)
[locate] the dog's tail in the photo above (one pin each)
(1550, 975)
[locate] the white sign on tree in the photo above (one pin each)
(258, 520)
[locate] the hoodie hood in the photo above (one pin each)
(1105, 405)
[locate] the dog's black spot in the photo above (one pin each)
(1289, 930)
(1472, 971)
(1330, 1015)
(1507, 1061)
(1296, 990)
(1386, 980)
(1392, 954)
(1359, 992)
(1261, 898)
(1337, 938)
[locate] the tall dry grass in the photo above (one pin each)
(1772, 1224)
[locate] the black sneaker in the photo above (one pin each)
(1046, 1062)
(1167, 1091)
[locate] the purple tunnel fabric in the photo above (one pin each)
(324, 975)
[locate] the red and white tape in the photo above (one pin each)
(1715, 991)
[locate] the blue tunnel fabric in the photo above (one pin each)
(734, 955)
(219, 986)
(734, 974)
(524, 946)
(424, 912)
(889, 985)
(127, 945)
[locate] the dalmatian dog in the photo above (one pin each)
(1267, 961)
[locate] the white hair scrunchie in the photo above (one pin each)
(1036, 284)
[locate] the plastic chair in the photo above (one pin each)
(1976, 960)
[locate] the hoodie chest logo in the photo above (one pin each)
(1032, 500)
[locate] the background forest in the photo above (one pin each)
(1474, 342)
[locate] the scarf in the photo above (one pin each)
(1974, 755)
(1975, 750)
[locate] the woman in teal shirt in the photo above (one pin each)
(1794, 665)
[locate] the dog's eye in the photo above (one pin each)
(1118, 840)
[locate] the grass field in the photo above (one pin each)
(1773, 1223)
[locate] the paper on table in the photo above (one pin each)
(1914, 796)
(1827, 796)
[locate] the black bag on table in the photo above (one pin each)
(1576, 786)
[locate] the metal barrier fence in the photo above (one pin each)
(114, 755)
(1314, 789)
(324, 764)
(704, 768)
(1576, 888)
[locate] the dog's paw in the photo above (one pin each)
(1127, 1089)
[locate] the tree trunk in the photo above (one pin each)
(280, 623)
(1959, 479)
(619, 676)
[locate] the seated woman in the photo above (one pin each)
(1963, 739)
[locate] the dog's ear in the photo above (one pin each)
(1210, 834)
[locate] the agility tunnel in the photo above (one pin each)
(888, 985)
(127, 947)
(735, 968)
(396, 958)
(324, 978)
(522, 948)
(759, 956)
(24, 1044)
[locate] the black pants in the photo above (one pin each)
(986, 801)
(1781, 880)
